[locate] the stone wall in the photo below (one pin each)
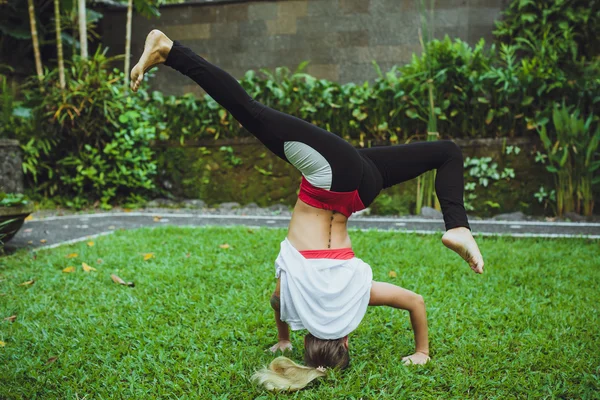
(340, 38)
(11, 174)
(207, 173)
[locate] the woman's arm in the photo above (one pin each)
(386, 294)
(283, 330)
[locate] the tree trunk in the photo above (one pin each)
(61, 61)
(36, 44)
(83, 29)
(128, 41)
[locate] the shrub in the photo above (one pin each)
(573, 159)
(91, 141)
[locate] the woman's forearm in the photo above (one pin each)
(283, 330)
(418, 320)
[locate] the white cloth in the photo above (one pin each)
(327, 297)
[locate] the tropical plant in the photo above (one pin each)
(34, 39)
(572, 158)
(426, 182)
(82, 20)
(13, 199)
(91, 141)
(59, 46)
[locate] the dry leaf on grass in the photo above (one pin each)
(51, 360)
(224, 246)
(87, 268)
(69, 269)
(393, 274)
(90, 244)
(2, 344)
(188, 255)
(120, 281)
(12, 318)
(28, 283)
(148, 256)
(72, 255)
(99, 261)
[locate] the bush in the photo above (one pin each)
(90, 141)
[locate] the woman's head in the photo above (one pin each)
(326, 353)
(319, 354)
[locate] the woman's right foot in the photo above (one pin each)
(461, 241)
(156, 50)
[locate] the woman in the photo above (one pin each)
(321, 286)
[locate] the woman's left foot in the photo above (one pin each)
(156, 50)
(461, 241)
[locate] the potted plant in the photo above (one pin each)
(14, 208)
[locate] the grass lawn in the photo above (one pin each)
(198, 321)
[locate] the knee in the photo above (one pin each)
(452, 150)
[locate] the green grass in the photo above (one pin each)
(197, 323)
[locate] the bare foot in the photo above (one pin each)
(461, 242)
(156, 50)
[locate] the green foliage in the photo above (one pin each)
(90, 142)
(483, 172)
(572, 158)
(569, 27)
(12, 199)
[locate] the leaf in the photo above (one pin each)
(224, 246)
(87, 268)
(90, 244)
(120, 281)
(69, 269)
(12, 318)
(392, 274)
(29, 218)
(28, 283)
(2, 344)
(43, 241)
(99, 261)
(72, 255)
(51, 360)
(157, 219)
(412, 113)
(116, 279)
(148, 256)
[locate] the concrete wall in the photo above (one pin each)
(340, 38)
(11, 173)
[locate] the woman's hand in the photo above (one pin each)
(416, 359)
(282, 345)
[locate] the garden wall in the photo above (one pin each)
(243, 171)
(11, 174)
(340, 38)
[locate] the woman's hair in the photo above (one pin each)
(284, 374)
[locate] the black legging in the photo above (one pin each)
(366, 170)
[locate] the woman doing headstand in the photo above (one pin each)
(321, 286)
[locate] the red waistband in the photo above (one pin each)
(343, 202)
(337, 254)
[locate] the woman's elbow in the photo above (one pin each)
(418, 302)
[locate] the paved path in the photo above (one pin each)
(54, 231)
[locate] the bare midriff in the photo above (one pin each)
(313, 228)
